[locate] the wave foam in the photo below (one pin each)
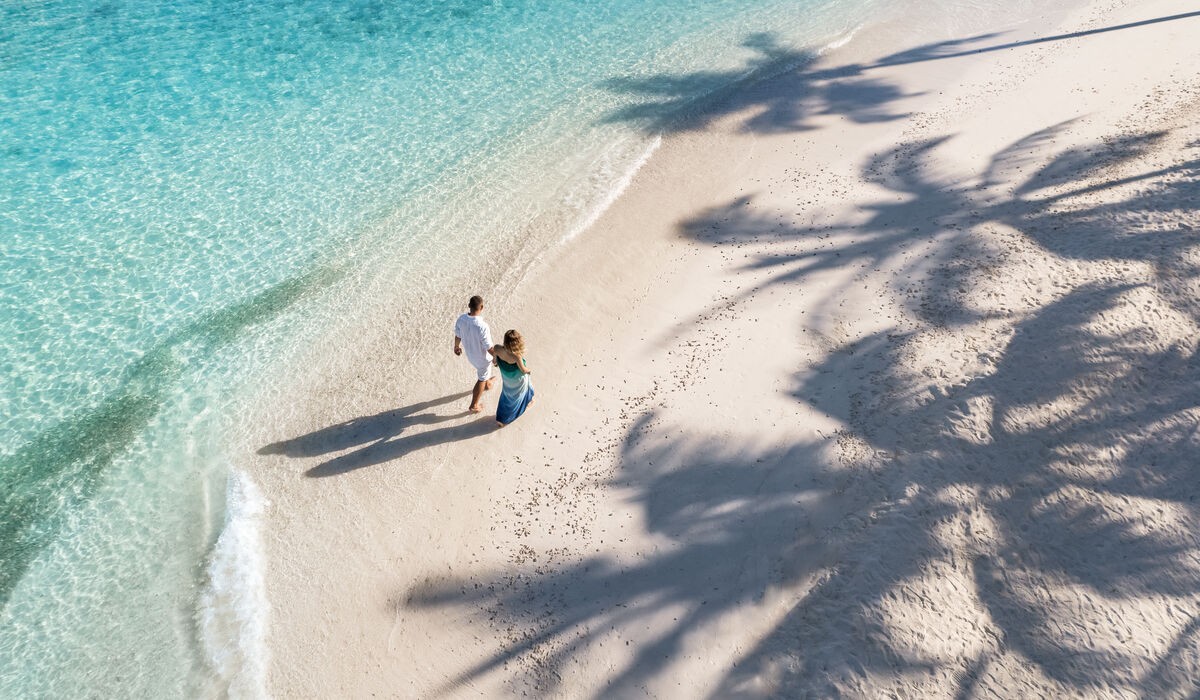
(840, 41)
(234, 609)
(614, 191)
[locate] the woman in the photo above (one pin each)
(517, 391)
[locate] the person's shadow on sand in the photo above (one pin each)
(378, 433)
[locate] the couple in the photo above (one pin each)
(472, 334)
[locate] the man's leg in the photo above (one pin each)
(476, 396)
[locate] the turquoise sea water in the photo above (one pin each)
(191, 189)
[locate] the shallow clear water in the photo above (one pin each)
(189, 188)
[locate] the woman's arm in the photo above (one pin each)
(523, 365)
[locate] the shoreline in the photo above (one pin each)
(425, 554)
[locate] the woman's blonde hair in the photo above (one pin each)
(514, 342)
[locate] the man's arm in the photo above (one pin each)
(457, 345)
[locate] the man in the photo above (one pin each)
(471, 333)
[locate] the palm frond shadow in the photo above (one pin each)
(1067, 467)
(678, 103)
(667, 103)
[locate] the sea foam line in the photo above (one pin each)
(840, 41)
(614, 192)
(234, 609)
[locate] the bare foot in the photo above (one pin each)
(475, 409)
(499, 424)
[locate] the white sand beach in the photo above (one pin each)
(879, 380)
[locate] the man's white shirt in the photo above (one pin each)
(476, 339)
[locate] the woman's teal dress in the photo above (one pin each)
(515, 393)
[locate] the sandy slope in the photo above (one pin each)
(880, 379)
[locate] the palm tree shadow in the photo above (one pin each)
(1126, 440)
(686, 102)
(726, 511)
(725, 514)
(1115, 553)
(742, 521)
(681, 102)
